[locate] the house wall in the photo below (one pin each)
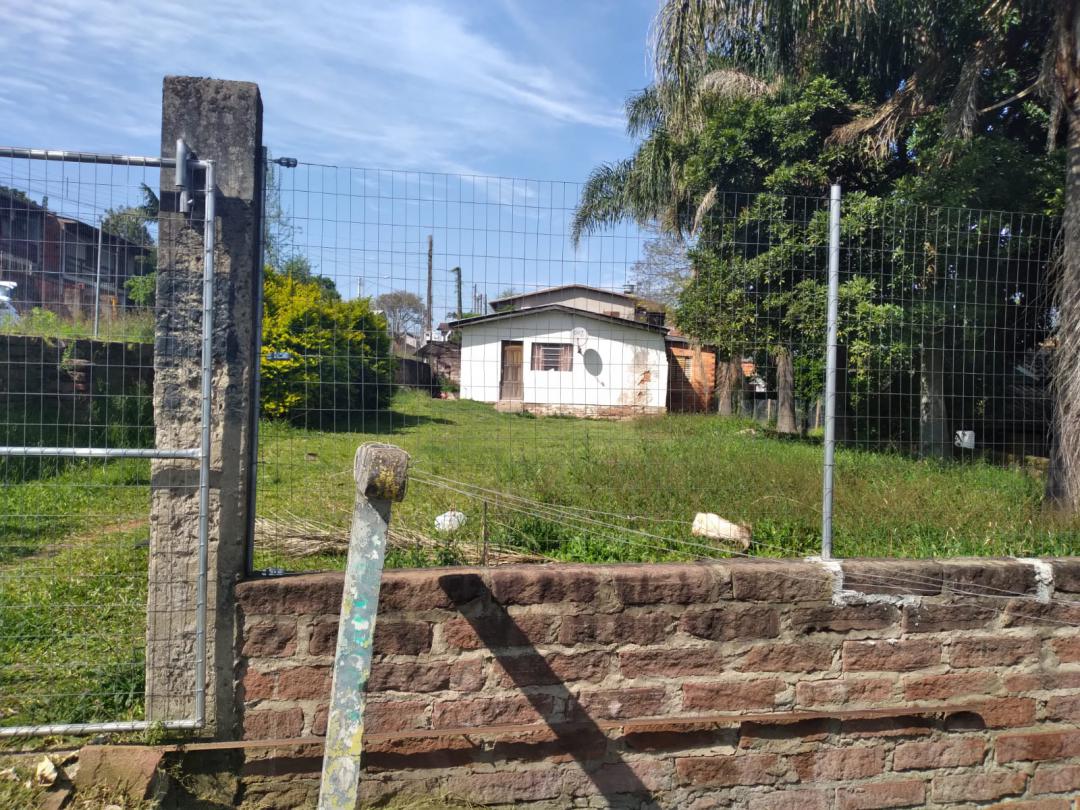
(746, 684)
(622, 366)
(691, 393)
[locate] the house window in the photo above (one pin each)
(552, 357)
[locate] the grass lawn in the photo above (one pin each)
(73, 535)
(654, 473)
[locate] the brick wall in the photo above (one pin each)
(754, 684)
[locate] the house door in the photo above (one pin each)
(510, 383)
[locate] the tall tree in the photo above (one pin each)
(975, 62)
(404, 311)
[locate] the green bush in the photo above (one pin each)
(325, 362)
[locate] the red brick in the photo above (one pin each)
(732, 622)
(1067, 649)
(269, 724)
(948, 753)
(839, 764)
(1037, 746)
(627, 776)
(978, 787)
(467, 675)
(509, 787)
(1042, 680)
(1065, 779)
(779, 582)
(845, 692)
(792, 800)
(541, 584)
(1007, 712)
(395, 715)
(307, 594)
(621, 704)
(536, 670)
(1037, 804)
(890, 655)
(621, 628)
(670, 662)
(986, 576)
(663, 584)
(318, 723)
(787, 657)
(953, 684)
(543, 743)
(731, 696)
(843, 619)
(258, 685)
(402, 638)
(500, 632)
(928, 618)
(323, 638)
(1066, 574)
(270, 639)
(470, 712)
(1026, 613)
(427, 589)
(903, 577)
(303, 683)
(409, 676)
(727, 771)
(1063, 708)
(991, 651)
(876, 795)
(416, 753)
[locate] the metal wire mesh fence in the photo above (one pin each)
(587, 398)
(78, 278)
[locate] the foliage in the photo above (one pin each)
(130, 326)
(325, 362)
(132, 224)
(142, 290)
(404, 312)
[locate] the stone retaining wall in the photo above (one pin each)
(763, 685)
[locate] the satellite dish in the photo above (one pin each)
(580, 338)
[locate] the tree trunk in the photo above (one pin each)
(785, 393)
(729, 385)
(933, 415)
(1063, 481)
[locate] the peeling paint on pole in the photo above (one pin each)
(381, 472)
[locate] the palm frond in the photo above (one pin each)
(963, 110)
(603, 199)
(704, 207)
(644, 112)
(881, 130)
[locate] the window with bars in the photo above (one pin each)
(552, 357)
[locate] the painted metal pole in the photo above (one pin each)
(830, 374)
(382, 474)
(97, 278)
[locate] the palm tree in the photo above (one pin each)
(978, 61)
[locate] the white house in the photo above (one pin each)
(573, 350)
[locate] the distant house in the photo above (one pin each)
(54, 260)
(574, 350)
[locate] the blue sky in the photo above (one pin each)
(520, 88)
(457, 96)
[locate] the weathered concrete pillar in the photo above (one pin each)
(220, 121)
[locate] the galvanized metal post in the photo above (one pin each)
(830, 374)
(97, 278)
(381, 472)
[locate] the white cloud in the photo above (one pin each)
(415, 84)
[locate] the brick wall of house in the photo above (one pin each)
(763, 685)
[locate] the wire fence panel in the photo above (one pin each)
(592, 396)
(78, 275)
(515, 361)
(946, 340)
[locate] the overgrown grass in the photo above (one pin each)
(129, 326)
(663, 469)
(73, 534)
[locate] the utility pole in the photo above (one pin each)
(457, 272)
(430, 293)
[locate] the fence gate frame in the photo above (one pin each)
(184, 164)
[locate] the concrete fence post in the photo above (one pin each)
(220, 121)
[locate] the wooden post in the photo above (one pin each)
(381, 472)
